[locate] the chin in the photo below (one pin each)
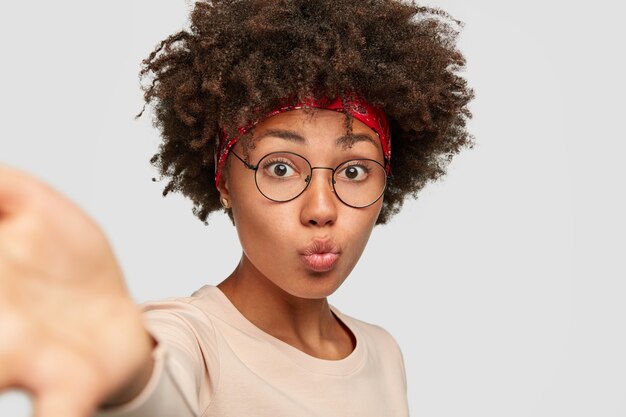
(314, 285)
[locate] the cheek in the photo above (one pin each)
(265, 229)
(359, 225)
(365, 218)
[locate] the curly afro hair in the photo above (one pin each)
(240, 58)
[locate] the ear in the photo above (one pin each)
(223, 189)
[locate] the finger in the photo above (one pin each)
(6, 376)
(21, 192)
(11, 331)
(9, 189)
(15, 188)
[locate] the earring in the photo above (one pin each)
(224, 202)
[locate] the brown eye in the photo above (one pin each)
(352, 172)
(279, 169)
(357, 172)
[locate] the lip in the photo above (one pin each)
(321, 255)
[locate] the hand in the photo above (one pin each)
(69, 332)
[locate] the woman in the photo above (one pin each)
(327, 115)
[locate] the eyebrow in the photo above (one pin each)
(290, 135)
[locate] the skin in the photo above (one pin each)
(271, 286)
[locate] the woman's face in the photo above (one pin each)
(309, 245)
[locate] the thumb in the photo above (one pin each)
(61, 404)
(62, 384)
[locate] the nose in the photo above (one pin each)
(319, 204)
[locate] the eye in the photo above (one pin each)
(355, 172)
(278, 169)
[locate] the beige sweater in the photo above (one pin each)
(212, 362)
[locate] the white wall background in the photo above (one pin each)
(503, 283)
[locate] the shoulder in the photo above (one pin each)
(179, 319)
(184, 308)
(383, 348)
(373, 334)
(174, 308)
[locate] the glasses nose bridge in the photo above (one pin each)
(332, 177)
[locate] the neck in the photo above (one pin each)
(306, 324)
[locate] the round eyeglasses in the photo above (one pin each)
(283, 176)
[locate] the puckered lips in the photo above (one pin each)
(320, 255)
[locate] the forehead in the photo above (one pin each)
(312, 126)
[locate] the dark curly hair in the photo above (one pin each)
(240, 58)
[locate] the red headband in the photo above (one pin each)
(372, 117)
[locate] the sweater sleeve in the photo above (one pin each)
(182, 356)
